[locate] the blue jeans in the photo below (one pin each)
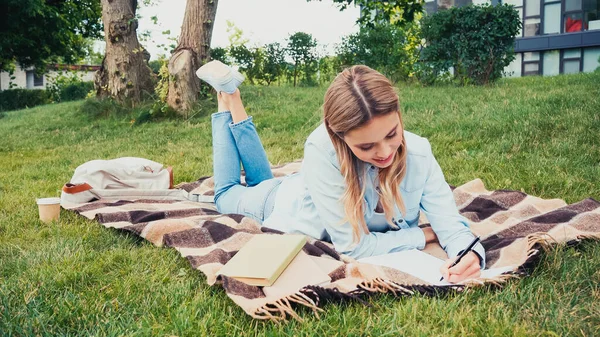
(234, 143)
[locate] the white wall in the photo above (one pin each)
(21, 78)
(3, 80)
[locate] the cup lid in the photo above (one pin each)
(48, 201)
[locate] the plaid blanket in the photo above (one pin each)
(514, 227)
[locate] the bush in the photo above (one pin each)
(155, 66)
(14, 99)
(68, 86)
(329, 67)
(477, 41)
(387, 48)
(75, 91)
(249, 60)
(219, 54)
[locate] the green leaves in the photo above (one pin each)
(274, 62)
(301, 49)
(385, 47)
(397, 12)
(37, 32)
(476, 41)
(219, 53)
(260, 64)
(249, 60)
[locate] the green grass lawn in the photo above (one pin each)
(76, 278)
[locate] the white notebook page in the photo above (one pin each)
(422, 265)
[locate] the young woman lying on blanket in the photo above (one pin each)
(363, 180)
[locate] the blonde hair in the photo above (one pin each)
(355, 96)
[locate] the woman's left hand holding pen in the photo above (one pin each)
(467, 268)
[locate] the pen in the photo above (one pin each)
(464, 252)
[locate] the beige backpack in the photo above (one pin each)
(125, 178)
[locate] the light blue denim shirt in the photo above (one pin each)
(308, 202)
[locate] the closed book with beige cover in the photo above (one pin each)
(263, 258)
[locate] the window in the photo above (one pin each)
(532, 7)
(573, 22)
(530, 15)
(432, 6)
(532, 18)
(581, 15)
(531, 68)
(519, 8)
(429, 7)
(590, 59)
(38, 81)
(571, 66)
(552, 17)
(516, 3)
(460, 3)
(591, 12)
(572, 5)
(551, 63)
(571, 61)
(532, 27)
(520, 11)
(445, 4)
(531, 63)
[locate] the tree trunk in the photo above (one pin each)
(295, 73)
(124, 74)
(191, 52)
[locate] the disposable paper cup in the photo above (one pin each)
(49, 209)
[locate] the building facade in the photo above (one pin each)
(558, 36)
(28, 79)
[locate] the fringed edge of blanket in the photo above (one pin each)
(543, 241)
(313, 297)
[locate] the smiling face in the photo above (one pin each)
(376, 142)
(362, 117)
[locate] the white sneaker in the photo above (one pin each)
(220, 76)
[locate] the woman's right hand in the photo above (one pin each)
(429, 235)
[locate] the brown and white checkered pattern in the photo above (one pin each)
(513, 226)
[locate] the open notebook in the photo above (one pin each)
(422, 265)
